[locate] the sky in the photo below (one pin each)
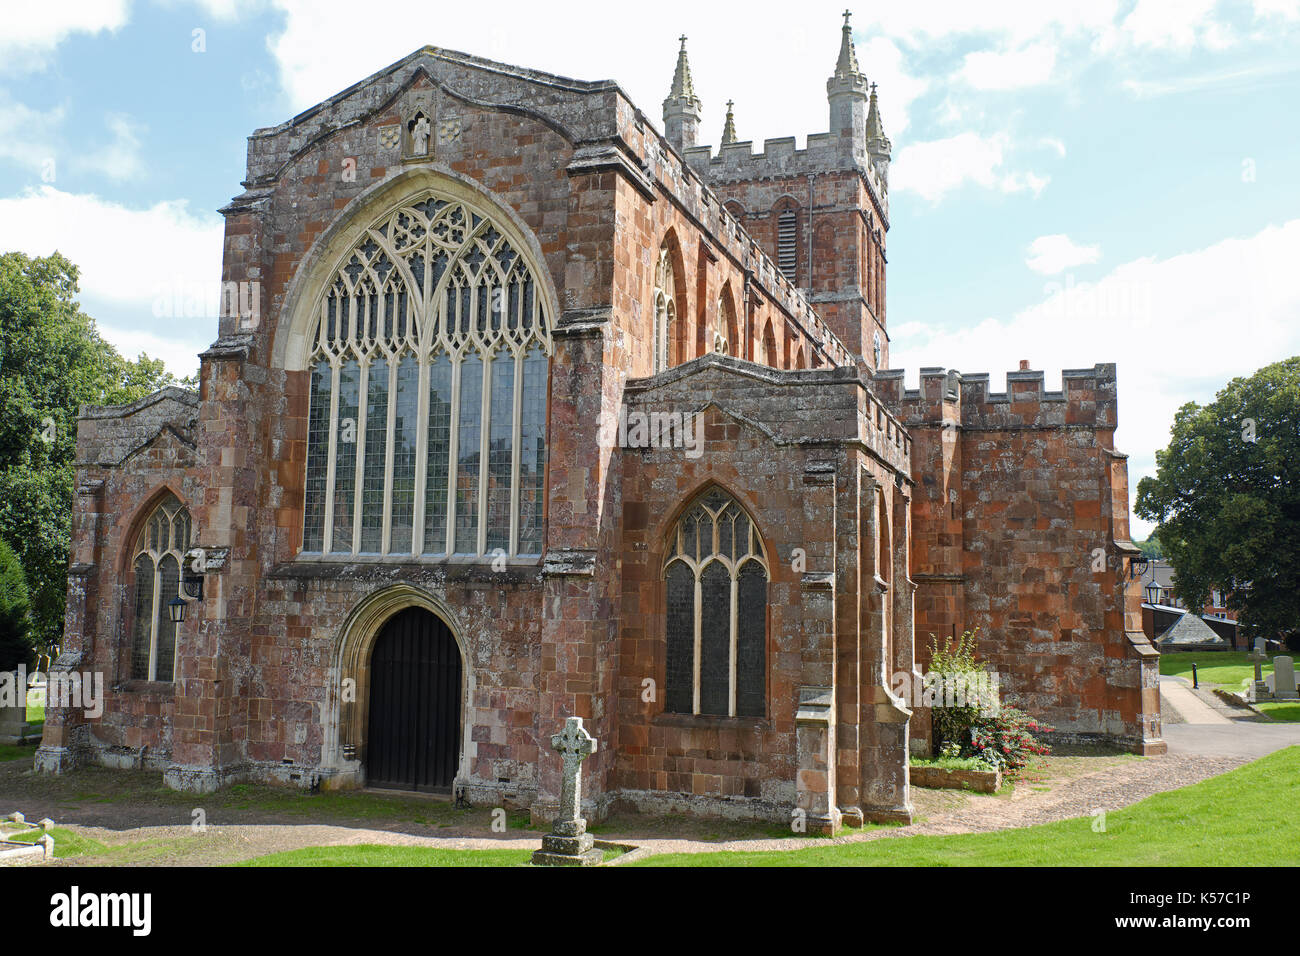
(1072, 183)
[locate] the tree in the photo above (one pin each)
(52, 361)
(16, 644)
(1151, 549)
(1227, 499)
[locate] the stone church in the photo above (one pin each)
(519, 409)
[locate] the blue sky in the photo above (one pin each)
(1072, 183)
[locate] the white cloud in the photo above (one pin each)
(935, 168)
(1179, 329)
(161, 264)
(1052, 143)
(1009, 69)
(1049, 255)
(180, 355)
(28, 136)
(120, 159)
(33, 30)
(1177, 24)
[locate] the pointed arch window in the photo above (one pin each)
(716, 580)
(665, 310)
(428, 377)
(156, 565)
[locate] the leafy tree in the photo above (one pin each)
(52, 361)
(15, 624)
(1227, 499)
(1151, 549)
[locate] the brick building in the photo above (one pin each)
(521, 410)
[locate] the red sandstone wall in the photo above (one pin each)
(1016, 494)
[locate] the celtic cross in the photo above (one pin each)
(574, 745)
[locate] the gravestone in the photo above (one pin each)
(1258, 657)
(13, 707)
(1284, 687)
(569, 843)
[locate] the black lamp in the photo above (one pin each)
(176, 609)
(1152, 592)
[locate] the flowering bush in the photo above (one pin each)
(1007, 742)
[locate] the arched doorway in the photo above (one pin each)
(415, 690)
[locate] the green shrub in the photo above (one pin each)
(16, 646)
(954, 666)
(981, 727)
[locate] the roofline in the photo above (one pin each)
(450, 56)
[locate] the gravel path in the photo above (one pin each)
(1067, 787)
(1117, 782)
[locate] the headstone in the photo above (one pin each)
(569, 843)
(1284, 687)
(46, 824)
(1258, 657)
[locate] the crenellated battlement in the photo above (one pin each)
(737, 162)
(1087, 397)
(662, 165)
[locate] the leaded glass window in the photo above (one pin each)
(716, 579)
(159, 551)
(426, 433)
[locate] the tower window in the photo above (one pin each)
(787, 243)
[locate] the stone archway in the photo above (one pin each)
(347, 708)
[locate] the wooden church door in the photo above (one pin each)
(415, 685)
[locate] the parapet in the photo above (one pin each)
(1087, 398)
(109, 434)
(779, 158)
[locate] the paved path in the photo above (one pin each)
(1176, 693)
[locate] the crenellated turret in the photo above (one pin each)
(682, 108)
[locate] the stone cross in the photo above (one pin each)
(569, 843)
(574, 745)
(1258, 657)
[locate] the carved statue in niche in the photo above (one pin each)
(420, 135)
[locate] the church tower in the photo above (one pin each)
(820, 213)
(682, 108)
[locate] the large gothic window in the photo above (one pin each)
(716, 583)
(156, 563)
(427, 425)
(665, 310)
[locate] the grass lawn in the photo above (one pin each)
(1284, 710)
(66, 842)
(1214, 823)
(11, 752)
(1225, 668)
(370, 854)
